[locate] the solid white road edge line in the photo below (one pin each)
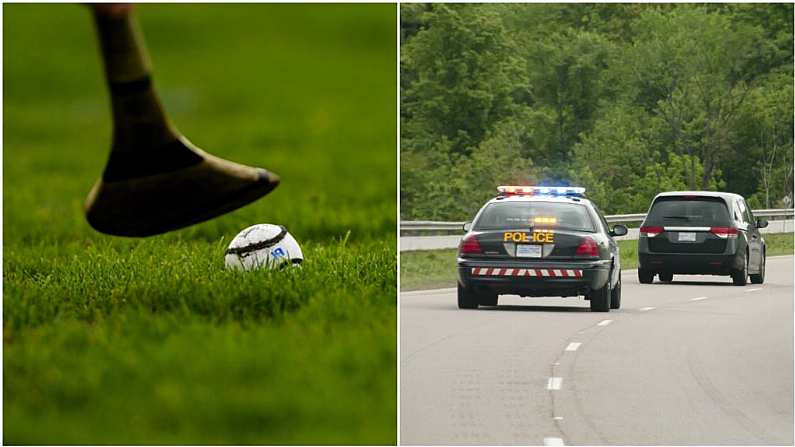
(644, 309)
(752, 290)
(604, 322)
(553, 441)
(573, 346)
(698, 298)
(429, 291)
(554, 383)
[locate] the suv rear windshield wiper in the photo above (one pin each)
(677, 217)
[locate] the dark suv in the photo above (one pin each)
(704, 233)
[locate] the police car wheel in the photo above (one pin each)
(487, 299)
(615, 295)
(666, 277)
(466, 300)
(645, 276)
(600, 299)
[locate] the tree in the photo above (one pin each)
(627, 100)
(465, 74)
(689, 66)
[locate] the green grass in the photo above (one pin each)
(779, 244)
(126, 341)
(427, 269)
(433, 269)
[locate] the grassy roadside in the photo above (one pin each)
(152, 341)
(436, 268)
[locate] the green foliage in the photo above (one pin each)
(463, 75)
(152, 341)
(627, 100)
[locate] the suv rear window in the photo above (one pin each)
(513, 215)
(689, 211)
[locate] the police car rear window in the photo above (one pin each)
(514, 215)
(689, 211)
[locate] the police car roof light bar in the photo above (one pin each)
(541, 190)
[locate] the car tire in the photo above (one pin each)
(666, 277)
(645, 276)
(488, 299)
(466, 299)
(615, 294)
(759, 278)
(740, 277)
(600, 298)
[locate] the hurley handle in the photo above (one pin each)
(123, 49)
(139, 122)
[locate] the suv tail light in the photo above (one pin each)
(588, 248)
(724, 232)
(651, 231)
(469, 245)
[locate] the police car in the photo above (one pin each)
(539, 241)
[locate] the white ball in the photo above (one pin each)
(263, 245)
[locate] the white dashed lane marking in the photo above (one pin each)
(604, 322)
(752, 290)
(698, 298)
(554, 383)
(553, 441)
(644, 309)
(573, 346)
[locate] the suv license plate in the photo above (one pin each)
(528, 251)
(687, 237)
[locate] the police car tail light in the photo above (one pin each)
(651, 231)
(588, 248)
(724, 232)
(470, 245)
(541, 190)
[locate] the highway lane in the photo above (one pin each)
(697, 361)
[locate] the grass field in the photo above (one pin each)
(433, 269)
(124, 341)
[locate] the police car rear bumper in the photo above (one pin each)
(533, 278)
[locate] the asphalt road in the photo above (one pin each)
(697, 361)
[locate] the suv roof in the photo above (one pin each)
(723, 195)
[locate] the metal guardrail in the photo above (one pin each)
(783, 213)
(427, 225)
(411, 243)
(448, 234)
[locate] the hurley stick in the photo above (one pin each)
(155, 179)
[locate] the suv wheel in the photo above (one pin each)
(600, 298)
(759, 278)
(666, 277)
(740, 277)
(466, 300)
(645, 276)
(615, 294)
